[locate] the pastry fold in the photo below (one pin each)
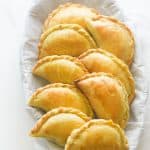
(65, 39)
(71, 13)
(97, 135)
(57, 124)
(107, 96)
(58, 94)
(113, 36)
(63, 69)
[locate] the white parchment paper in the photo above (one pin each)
(33, 30)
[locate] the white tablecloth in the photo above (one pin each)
(15, 121)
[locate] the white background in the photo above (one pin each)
(15, 122)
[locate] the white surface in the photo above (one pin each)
(15, 121)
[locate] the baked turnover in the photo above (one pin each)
(63, 69)
(57, 124)
(59, 94)
(113, 36)
(70, 13)
(98, 60)
(97, 135)
(85, 56)
(65, 39)
(107, 96)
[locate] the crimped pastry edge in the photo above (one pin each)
(63, 85)
(58, 27)
(53, 85)
(57, 57)
(62, 7)
(55, 112)
(119, 62)
(96, 74)
(77, 132)
(112, 19)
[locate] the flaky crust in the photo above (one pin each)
(102, 99)
(60, 27)
(77, 133)
(63, 7)
(54, 112)
(119, 63)
(123, 26)
(32, 100)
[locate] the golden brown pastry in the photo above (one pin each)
(70, 13)
(64, 69)
(98, 60)
(97, 135)
(113, 36)
(57, 124)
(59, 94)
(65, 39)
(107, 96)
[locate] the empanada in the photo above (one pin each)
(59, 94)
(97, 135)
(98, 60)
(107, 96)
(113, 36)
(63, 69)
(57, 124)
(70, 13)
(65, 39)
